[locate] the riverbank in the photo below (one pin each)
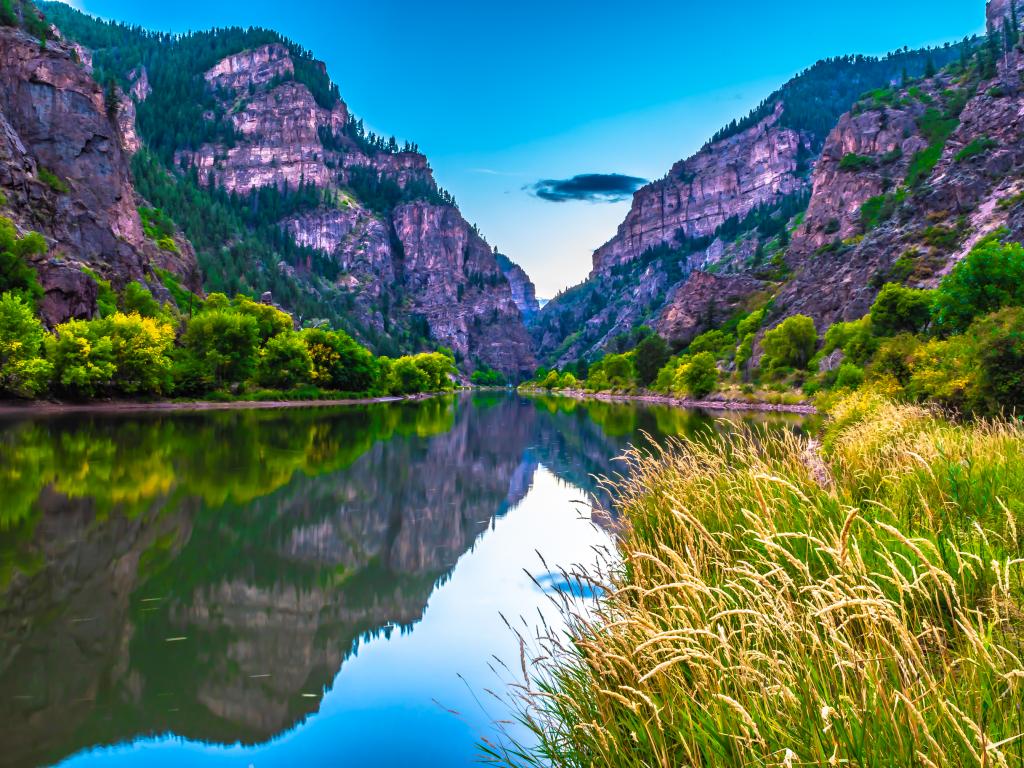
(32, 407)
(682, 402)
(856, 598)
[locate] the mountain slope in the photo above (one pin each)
(250, 148)
(718, 210)
(64, 173)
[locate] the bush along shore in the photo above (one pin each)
(960, 345)
(224, 350)
(855, 598)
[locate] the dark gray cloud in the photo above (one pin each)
(591, 187)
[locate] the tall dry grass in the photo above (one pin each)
(781, 603)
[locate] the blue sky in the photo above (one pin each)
(502, 94)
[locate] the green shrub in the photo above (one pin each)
(936, 128)
(895, 358)
(698, 376)
(856, 340)
(853, 162)
(791, 343)
(850, 376)
(17, 276)
(220, 348)
(53, 181)
(997, 341)
(339, 362)
(106, 298)
(879, 209)
(651, 355)
(990, 278)
(717, 342)
(979, 146)
(23, 371)
(284, 363)
(137, 299)
(901, 310)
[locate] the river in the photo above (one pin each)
(323, 586)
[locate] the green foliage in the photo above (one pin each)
(17, 276)
(339, 362)
(120, 354)
(856, 340)
(979, 146)
(137, 299)
(718, 342)
(53, 181)
(619, 370)
(850, 376)
(990, 278)
(7, 15)
(791, 343)
(651, 355)
(106, 297)
(853, 162)
(936, 127)
(901, 310)
(23, 371)
(750, 324)
(485, 376)
(997, 344)
(220, 348)
(159, 228)
(879, 209)
(284, 363)
(699, 375)
(814, 100)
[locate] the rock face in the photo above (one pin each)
(64, 174)
(703, 302)
(524, 292)
(418, 258)
(726, 179)
(842, 257)
(998, 11)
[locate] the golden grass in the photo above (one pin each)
(781, 605)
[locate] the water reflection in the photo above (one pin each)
(208, 575)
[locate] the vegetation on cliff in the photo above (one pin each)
(782, 601)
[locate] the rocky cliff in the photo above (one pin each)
(411, 256)
(713, 237)
(64, 173)
(524, 292)
(726, 179)
(883, 219)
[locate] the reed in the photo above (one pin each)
(785, 603)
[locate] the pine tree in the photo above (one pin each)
(7, 17)
(929, 68)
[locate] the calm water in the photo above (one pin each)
(307, 587)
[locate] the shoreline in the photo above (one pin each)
(803, 409)
(31, 408)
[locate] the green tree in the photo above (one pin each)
(990, 278)
(82, 357)
(791, 343)
(16, 274)
(618, 369)
(998, 344)
(138, 299)
(284, 363)
(407, 378)
(339, 362)
(23, 371)
(700, 375)
(719, 343)
(141, 348)
(220, 348)
(651, 355)
(901, 310)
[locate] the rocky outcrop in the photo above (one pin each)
(454, 281)
(64, 174)
(841, 257)
(727, 179)
(703, 302)
(417, 259)
(999, 11)
(524, 293)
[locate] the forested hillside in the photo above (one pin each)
(246, 144)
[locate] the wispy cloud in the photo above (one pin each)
(588, 187)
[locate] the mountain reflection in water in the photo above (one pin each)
(211, 575)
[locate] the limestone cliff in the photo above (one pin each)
(411, 256)
(726, 179)
(64, 173)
